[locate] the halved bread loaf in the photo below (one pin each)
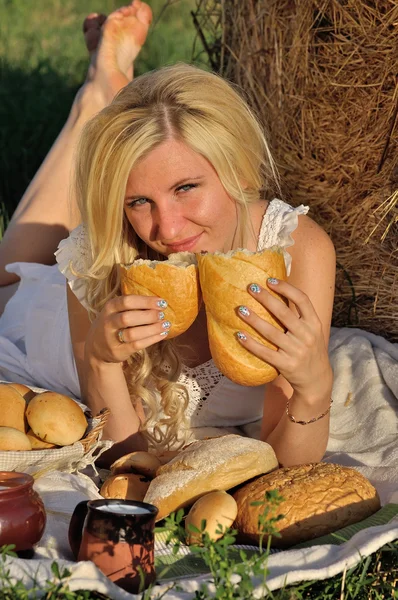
(175, 280)
(224, 280)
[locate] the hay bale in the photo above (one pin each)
(322, 75)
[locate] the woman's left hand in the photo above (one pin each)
(302, 357)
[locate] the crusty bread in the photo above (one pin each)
(140, 462)
(56, 418)
(206, 466)
(224, 279)
(129, 486)
(175, 280)
(13, 439)
(218, 509)
(24, 390)
(12, 408)
(319, 498)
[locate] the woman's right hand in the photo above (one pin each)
(125, 325)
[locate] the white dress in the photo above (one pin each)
(35, 344)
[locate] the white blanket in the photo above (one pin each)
(364, 434)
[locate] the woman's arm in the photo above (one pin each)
(99, 357)
(306, 363)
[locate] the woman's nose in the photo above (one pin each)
(168, 222)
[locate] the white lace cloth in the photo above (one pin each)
(35, 339)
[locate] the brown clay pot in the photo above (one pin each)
(22, 514)
(118, 536)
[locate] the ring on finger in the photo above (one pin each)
(121, 336)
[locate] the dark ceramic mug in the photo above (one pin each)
(118, 536)
(22, 514)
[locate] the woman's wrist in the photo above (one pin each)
(308, 408)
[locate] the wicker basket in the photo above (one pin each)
(68, 459)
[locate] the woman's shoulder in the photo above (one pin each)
(311, 238)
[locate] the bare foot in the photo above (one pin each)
(113, 43)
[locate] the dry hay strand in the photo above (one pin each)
(322, 76)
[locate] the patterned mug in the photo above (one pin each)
(117, 536)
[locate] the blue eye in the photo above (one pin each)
(186, 187)
(138, 202)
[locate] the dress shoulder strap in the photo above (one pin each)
(279, 221)
(72, 256)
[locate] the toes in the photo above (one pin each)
(144, 13)
(93, 21)
(92, 30)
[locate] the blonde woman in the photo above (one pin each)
(176, 162)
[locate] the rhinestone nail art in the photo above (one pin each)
(255, 288)
(272, 280)
(161, 316)
(162, 303)
(241, 336)
(164, 333)
(244, 311)
(166, 325)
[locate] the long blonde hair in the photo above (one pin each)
(205, 112)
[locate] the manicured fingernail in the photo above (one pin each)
(255, 288)
(161, 316)
(244, 311)
(241, 336)
(162, 303)
(164, 333)
(166, 325)
(272, 280)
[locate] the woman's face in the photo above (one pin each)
(175, 202)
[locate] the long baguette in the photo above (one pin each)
(206, 466)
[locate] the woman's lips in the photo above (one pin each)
(185, 245)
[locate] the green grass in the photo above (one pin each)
(43, 61)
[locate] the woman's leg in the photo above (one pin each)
(47, 211)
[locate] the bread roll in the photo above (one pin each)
(56, 419)
(175, 280)
(37, 443)
(167, 455)
(12, 408)
(217, 509)
(130, 486)
(24, 390)
(224, 279)
(141, 462)
(13, 439)
(207, 466)
(319, 498)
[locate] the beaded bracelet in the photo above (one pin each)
(293, 420)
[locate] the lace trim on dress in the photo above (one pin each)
(279, 221)
(72, 256)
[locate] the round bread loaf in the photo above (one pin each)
(224, 279)
(141, 462)
(207, 466)
(218, 509)
(13, 439)
(24, 390)
(175, 280)
(12, 408)
(56, 419)
(37, 443)
(319, 498)
(130, 486)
